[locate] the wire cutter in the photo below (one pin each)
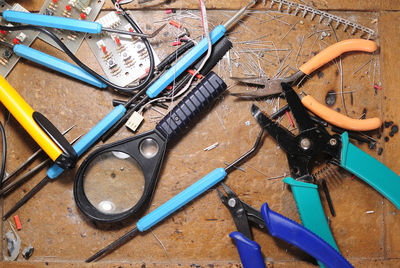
(278, 226)
(312, 140)
(273, 86)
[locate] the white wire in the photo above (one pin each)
(207, 34)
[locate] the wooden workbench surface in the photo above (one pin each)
(197, 235)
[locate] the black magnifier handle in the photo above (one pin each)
(191, 106)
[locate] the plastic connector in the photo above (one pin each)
(134, 121)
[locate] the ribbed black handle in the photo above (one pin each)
(195, 102)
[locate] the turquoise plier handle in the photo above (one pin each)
(57, 65)
(310, 209)
(52, 21)
(370, 170)
(183, 63)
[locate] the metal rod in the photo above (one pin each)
(28, 196)
(27, 175)
(30, 159)
(117, 243)
(238, 14)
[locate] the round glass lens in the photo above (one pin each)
(113, 182)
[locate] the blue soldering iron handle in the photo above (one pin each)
(370, 170)
(52, 21)
(184, 63)
(295, 234)
(91, 137)
(181, 199)
(56, 64)
(310, 209)
(249, 251)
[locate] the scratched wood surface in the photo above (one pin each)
(197, 235)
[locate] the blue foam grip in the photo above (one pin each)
(184, 63)
(91, 137)
(370, 170)
(181, 199)
(57, 65)
(249, 251)
(295, 234)
(52, 21)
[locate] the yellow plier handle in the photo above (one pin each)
(338, 119)
(38, 127)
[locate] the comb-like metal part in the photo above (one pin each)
(323, 16)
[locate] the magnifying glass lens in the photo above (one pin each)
(113, 182)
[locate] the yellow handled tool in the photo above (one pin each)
(38, 127)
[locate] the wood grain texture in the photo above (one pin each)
(197, 235)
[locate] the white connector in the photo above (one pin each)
(111, 20)
(134, 121)
(21, 37)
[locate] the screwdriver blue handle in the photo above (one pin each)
(52, 21)
(56, 64)
(184, 63)
(295, 234)
(91, 137)
(249, 251)
(181, 199)
(370, 170)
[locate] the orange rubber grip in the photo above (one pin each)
(339, 119)
(335, 51)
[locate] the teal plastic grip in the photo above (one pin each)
(52, 21)
(181, 199)
(184, 63)
(370, 170)
(57, 65)
(91, 137)
(310, 209)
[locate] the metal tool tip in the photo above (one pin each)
(255, 110)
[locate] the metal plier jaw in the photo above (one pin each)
(242, 213)
(279, 227)
(311, 141)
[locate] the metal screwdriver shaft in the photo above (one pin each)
(178, 201)
(32, 192)
(28, 196)
(30, 159)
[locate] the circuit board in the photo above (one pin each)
(7, 57)
(74, 9)
(123, 58)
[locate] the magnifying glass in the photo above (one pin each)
(118, 180)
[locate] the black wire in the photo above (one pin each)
(125, 90)
(4, 154)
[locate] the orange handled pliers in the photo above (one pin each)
(273, 86)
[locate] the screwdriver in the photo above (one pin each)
(67, 23)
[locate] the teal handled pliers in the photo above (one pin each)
(312, 140)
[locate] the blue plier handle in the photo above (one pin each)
(278, 226)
